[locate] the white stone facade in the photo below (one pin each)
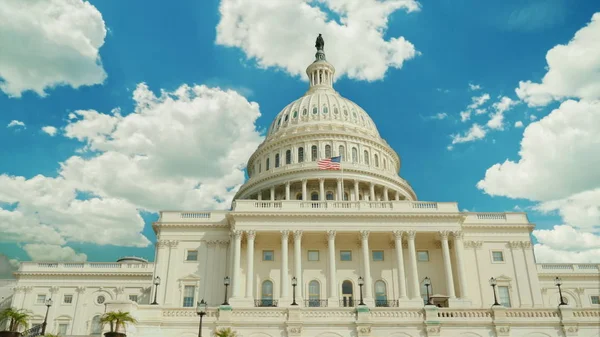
(327, 229)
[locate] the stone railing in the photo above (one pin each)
(466, 314)
(189, 312)
(557, 268)
(191, 216)
(344, 206)
(86, 267)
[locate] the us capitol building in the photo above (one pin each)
(325, 253)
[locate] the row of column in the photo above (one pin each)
(413, 275)
(339, 189)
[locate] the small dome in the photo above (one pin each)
(131, 259)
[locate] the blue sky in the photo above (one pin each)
(452, 54)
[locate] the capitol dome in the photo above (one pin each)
(323, 124)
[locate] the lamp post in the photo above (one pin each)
(558, 283)
(226, 282)
(156, 283)
(48, 305)
(294, 284)
(427, 283)
(493, 283)
(361, 283)
(201, 311)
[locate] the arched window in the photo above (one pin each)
(96, 327)
(299, 196)
(354, 155)
(347, 294)
(345, 196)
(341, 152)
(259, 167)
(325, 110)
(300, 154)
(315, 110)
(286, 117)
(314, 196)
(295, 113)
(314, 294)
(313, 153)
(327, 151)
(329, 195)
(288, 157)
(335, 111)
(277, 160)
(384, 164)
(267, 293)
(366, 156)
(268, 164)
(380, 294)
(376, 158)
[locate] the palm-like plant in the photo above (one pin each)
(226, 332)
(16, 318)
(117, 319)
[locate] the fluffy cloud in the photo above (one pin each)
(7, 267)
(44, 252)
(478, 101)
(518, 124)
(475, 132)
(48, 43)
(50, 130)
(565, 244)
(497, 117)
(15, 123)
(184, 149)
(474, 87)
(572, 70)
(273, 40)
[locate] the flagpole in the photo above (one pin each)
(342, 168)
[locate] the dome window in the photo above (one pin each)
(329, 195)
(366, 156)
(298, 196)
(313, 153)
(341, 152)
(304, 112)
(315, 111)
(325, 110)
(295, 114)
(345, 112)
(353, 113)
(314, 196)
(384, 164)
(277, 160)
(327, 151)
(335, 111)
(288, 157)
(279, 121)
(287, 117)
(354, 155)
(268, 164)
(376, 161)
(300, 154)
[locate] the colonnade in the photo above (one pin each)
(408, 276)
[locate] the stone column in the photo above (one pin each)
(412, 255)
(364, 236)
(385, 194)
(534, 283)
(272, 193)
(447, 264)
(340, 193)
(372, 192)
(332, 270)
(397, 196)
(287, 190)
(250, 235)
(161, 264)
(169, 284)
(76, 323)
(400, 264)
(284, 264)
(304, 192)
(460, 263)
(298, 262)
(321, 189)
(356, 190)
(259, 195)
(237, 241)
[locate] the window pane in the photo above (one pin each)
(192, 255)
(268, 255)
(327, 151)
(341, 153)
(378, 255)
(595, 299)
(68, 299)
(423, 255)
(313, 152)
(347, 288)
(354, 155)
(300, 154)
(41, 299)
(504, 296)
(313, 255)
(366, 157)
(267, 290)
(188, 296)
(133, 298)
(314, 196)
(277, 160)
(498, 256)
(314, 290)
(345, 255)
(329, 196)
(380, 291)
(62, 329)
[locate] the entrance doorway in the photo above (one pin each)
(347, 294)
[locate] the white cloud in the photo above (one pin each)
(474, 133)
(51, 43)
(545, 254)
(478, 101)
(518, 124)
(184, 149)
(496, 121)
(572, 70)
(565, 244)
(474, 87)
(532, 117)
(580, 209)
(480, 111)
(465, 115)
(44, 252)
(440, 116)
(274, 40)
(50, 130)
(15, 123)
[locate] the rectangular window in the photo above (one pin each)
(423, 255)
(62, 329)
(133, 298)
(192, 255)
(268, 255)
(595, 299)
(313, 255)
(68, 299)
(497, 256)
(378, 255)
(504, 296)
(345, 255)
(41, 299)
(188, 296)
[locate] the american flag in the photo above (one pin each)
(330, 163)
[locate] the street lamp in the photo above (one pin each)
(48, 305)
(226, 282)
(156, 283)
(201, 311)
(558, 283)
(493, 283)
(427, 283)
(361, 283)
(294, 284)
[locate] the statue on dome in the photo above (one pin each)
(320, 44)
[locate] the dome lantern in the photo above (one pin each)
(320, 72)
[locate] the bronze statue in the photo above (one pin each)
(320, 44)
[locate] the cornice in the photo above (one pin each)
(158, 225)
(234, 214)
(67, 273)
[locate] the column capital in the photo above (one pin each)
(284, 234)
(250, 235)
(236, 234)
(54, 289)
(330, 235)
(297, 235)
(398, 235)
(364, 235)
(80, 290)
(162, 243)
(473, 244)
(514, 244)
(444, 235)
(411, 235)
(321, 180)
(304, 181)
(458, 235)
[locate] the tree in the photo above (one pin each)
(226, 332)
(15, 317)
(117, 319)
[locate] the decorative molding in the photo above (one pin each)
(236, 234)
(173, 243)
(294, 330)
(285, 234)
(444, 235)
(119, 290)
(458, 235)
(410, 235)
(398, 235)
(330, 235)
(250, 235)
(473, 244)
(364, 235)
(298, 235)
(580, 290)
(54, 290)
(525, 244)
(513, 244)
